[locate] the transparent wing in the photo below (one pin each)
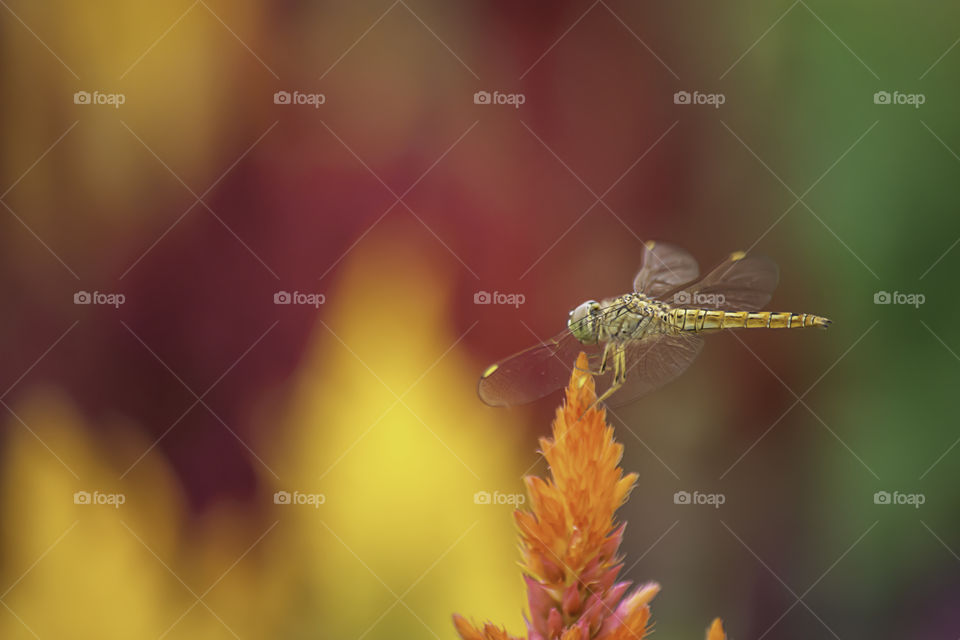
(534, 372)
(664, 267)
(653, 362)
(741, 283)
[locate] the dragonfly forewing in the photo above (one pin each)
(534, 372)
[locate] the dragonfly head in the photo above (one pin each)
(584, 322)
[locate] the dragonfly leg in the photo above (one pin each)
(591, 370)
(603, 359)
(603, 364)
(619, 372)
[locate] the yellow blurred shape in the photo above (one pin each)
(78, 570)
(397, 545)
(129, 571)
(399, 476)
(178, 69)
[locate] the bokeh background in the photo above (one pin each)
(398, 199)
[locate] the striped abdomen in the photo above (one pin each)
(711, 320)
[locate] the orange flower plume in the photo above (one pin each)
(570, 539)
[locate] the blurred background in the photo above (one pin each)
(242, 249)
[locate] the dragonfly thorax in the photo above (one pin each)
(584, 322)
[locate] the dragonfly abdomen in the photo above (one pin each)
(713, 320)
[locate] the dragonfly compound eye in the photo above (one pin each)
(583, 321)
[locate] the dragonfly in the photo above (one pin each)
(640, 341)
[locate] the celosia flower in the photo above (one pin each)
(570, 538)
(715, 632)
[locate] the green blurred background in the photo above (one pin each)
(399, 198)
